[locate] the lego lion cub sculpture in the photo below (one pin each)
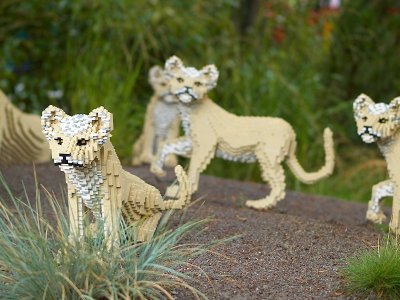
(380, 123)
(211, 131)
(81, 147)
(161, 121)
(21, 138)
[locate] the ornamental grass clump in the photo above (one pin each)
(375, 273)
(39, 261)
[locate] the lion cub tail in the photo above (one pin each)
(325, 171)
(182, 191)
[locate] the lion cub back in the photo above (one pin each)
(21, 138)
(239, 131)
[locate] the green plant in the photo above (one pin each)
(375, 272)
(39, 261)
(31, 42)
(279, 64)
(363, 54)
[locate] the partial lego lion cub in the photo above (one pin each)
(21, 140)
(161, 121)
(81, 147)
(211, 131)
(379, 122)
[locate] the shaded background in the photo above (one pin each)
(299, 60)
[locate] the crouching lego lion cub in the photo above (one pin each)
(379, 122)
(81, 147)
(212, 131)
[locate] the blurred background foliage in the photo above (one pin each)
(290, 59)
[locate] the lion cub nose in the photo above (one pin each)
(65, 157)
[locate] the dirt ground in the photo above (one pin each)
(294, 251)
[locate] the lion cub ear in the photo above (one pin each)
(155, 74)
(362, 102)
(174, 63)
(50, 119)
(395, 104)
(102, 125)
(211, 73)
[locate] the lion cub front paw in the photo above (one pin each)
(375, 214)
(171, 161)
(146, 158)
(376, 217)
(394, 228)
(157, 171)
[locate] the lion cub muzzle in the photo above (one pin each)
(186, 94)
(66, 160)
(368, 135)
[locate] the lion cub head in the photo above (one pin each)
(189, 84)
(376, 121)
(158, 80)
(75, 140)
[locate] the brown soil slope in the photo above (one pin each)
(293, 251)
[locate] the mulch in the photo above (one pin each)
(294, 251)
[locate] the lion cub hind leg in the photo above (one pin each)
(379, 191)
(274, 175)
(147, 227)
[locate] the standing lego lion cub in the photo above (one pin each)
(211, 131)
(379, 122)
(161, 121)
(81, 147)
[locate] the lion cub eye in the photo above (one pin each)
(364, 118)
(197, 83)
(382, 120)
(81, 142)
(163, 84)
(179, 79)
(59, 140)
